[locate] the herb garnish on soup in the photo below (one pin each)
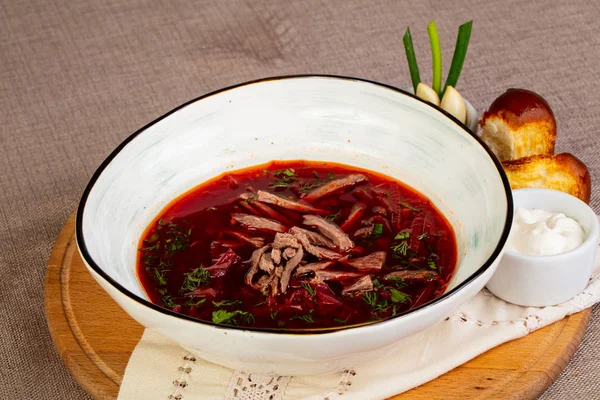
(297, 245)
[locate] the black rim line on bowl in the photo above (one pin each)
(89, 260)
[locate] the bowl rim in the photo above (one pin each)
(282, 331)
(592, 236)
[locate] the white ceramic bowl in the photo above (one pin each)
(340, 119)
(548, 280)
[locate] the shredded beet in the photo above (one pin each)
(314, 267)
(220, 267)
(255, 242)
(358, 210)
(205, 292)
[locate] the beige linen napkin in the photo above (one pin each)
(160, 369)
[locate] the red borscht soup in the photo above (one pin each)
(297, 245)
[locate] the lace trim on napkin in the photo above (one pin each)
(533, 322)
(343, 386)
(243, 386)
(530, 322)
(185, 369)
(588, 297)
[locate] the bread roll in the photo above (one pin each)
(519, 124)
(563, 172)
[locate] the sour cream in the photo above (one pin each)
(543, 233)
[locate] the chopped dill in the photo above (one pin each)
(306, 187)
(232, 317)
(399, 282)
(273, 314)
(399, 249)
(309, 289)
(168, 301)
(399, 297)
(377, 230)
(279, 184)
(305, 318)
(402, 235)
(194, 279)
(370, 298)
(227, 303)
(178, 238)
(161, 276)
(150, 259)
(193, 302)
(285, 178)
(333, 217)
(406, 205)
(156, 247)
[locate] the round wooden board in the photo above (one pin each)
(95, 338)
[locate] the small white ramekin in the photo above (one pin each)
(548, 280)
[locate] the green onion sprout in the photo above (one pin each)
(412, 59)
(460, 52)
(458, 59)
(436, 57)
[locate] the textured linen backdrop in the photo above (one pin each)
(77, 77)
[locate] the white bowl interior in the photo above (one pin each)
(314, 118)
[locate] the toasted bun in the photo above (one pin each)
(563, 172)
(519, 124)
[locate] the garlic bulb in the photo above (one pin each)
(427, 93)
(454, 104)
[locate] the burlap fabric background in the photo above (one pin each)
(77, 77)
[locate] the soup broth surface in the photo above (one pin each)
(297, 245)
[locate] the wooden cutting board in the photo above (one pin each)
(95, 338)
